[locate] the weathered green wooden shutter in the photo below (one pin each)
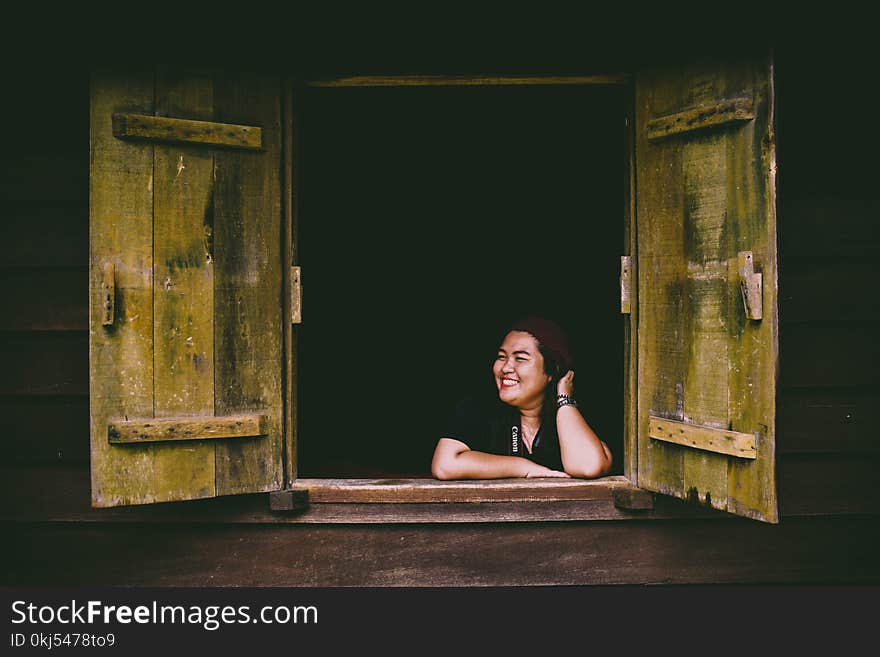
(185, 286)
(707, 312)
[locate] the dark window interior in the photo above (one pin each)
(428, 219)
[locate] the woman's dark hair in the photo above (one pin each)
(554, 369)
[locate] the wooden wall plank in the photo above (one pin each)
(53, 176)
(828, 421)
(829, 355)
(248, 332)
(824, 484)
(804, 551)
(45, 234)
(46, 363)
(828, 289)
(46, 430)
(45, 299)
(813, 226)
(56, 113)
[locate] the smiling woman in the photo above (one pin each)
(524, 431)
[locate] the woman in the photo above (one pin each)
(533, 427)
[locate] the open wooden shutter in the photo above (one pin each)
(185, 285)
(707, 312)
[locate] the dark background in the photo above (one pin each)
(429, 220)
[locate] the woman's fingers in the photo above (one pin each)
(566, 383)
(547, 472)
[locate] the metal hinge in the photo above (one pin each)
(295, 295)
(751, 286)
(625, 285)
(108, 294)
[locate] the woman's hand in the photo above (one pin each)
(535, 470)
(566, 384)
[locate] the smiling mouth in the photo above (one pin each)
(507, 383)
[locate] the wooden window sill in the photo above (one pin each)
(432, 501)
(61, 494)
(408, 491)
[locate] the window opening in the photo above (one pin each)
(428, 219)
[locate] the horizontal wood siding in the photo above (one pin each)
(815, 550)
(45, 429)
(43, 299)
(38, 177)
(829, 421)
(830, 289)
(44, 236)
(826, 227)
(829, 354)
(44, 363)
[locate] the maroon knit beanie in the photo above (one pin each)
(549, 335)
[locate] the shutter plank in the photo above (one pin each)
(185, 428)
(706, 438)
(185, 131)
(706, 390)
(660, 318)
(710, 115)
(248, 272)
(754, 344)
(183, 279)
(121, 356)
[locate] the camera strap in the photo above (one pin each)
(517, 447)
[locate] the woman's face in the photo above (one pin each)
(519, 371)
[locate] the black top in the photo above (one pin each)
(493, 427)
